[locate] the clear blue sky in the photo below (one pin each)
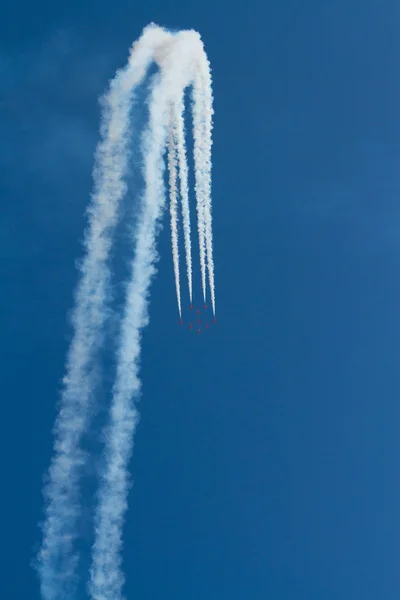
(266, 462)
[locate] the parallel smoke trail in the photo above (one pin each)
(179, 131)
(106, 577)
(57, 560)
(173, 208)
(204, 80)
(199, 179)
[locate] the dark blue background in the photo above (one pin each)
(266, 461)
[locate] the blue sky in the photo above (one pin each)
(266, 461)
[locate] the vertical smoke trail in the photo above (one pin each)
(57, 560)
(173, 209)
(106, 577)
(204, 84)
(199, 170)
(179, 132)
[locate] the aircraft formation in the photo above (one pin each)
(198, 320)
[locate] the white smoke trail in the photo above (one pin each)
(199, 182)
(106, 577)
(203, 87)
(179, 132)
(57, 560)
(178, 57)
(173, 209)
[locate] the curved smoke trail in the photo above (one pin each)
(57, 560)
(180, 58)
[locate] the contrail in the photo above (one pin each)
(173, 202)
(57, 559)
(106, 576)
(179, 132)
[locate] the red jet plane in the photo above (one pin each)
(207, 326)
(190, 306)
(205, 307)
(190, 326)
(214, 320)
(198, 331)
(198, 311)
(181, 322)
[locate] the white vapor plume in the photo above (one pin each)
(173, 207)
(199, 177)
(182, 62)
(57, 560)
(179, 132)
(106, 576)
